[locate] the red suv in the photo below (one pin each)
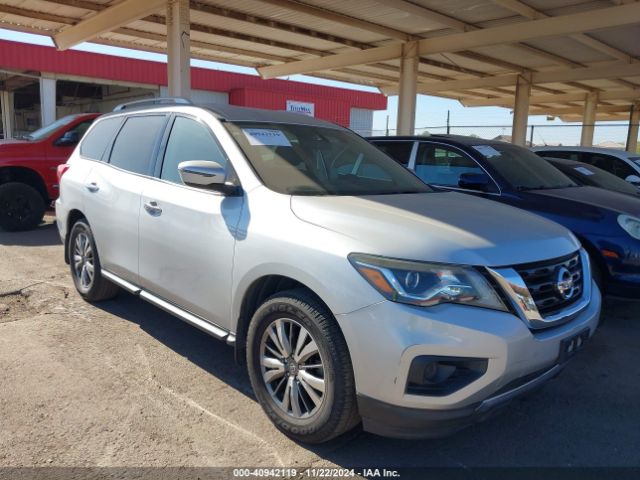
(28, 179)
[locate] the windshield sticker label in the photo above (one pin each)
(266, 137)
(584, 171)
(487, 150)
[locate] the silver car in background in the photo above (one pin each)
(355, 292)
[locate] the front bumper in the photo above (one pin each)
(384, 339)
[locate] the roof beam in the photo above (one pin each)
(555, 76)
(605, 95)
(511, 33)
(107, 20)
(325, 14)
(536, 110)
(533, 14)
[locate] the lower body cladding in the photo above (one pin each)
(428, 372)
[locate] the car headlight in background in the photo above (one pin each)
(631, 225)
(426, 284)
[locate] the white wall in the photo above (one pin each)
(361, 120)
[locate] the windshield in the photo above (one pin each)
(635, 160)
(523, 169)
(44, 132)
(310, 160)
(595, 176)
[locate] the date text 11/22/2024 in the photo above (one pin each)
(315, 472)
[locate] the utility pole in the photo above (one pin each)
(387, 125)
(448, 122)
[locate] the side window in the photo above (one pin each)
(560, 154)
(399, 151)
(189, 140)
(623, 170)
(605, 162)
(81, 128)
(95, 143)
(440, 165)
(134, 145)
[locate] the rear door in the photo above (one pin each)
(187, 235)
(114, 190)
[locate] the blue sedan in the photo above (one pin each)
(607, 223)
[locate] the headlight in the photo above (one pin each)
(631, 225)
(426, 284)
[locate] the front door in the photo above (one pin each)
(187, 235)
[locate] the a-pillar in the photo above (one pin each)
(521, 110)
(6, 105)
(47, 101)
(632, 133)
(407, 91)
(589, 119)
(179, 48)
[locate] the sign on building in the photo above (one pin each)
(301, 107)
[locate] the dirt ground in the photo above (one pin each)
(122, 383)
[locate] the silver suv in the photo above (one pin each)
(355, 292)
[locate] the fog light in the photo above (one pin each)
(439, 376)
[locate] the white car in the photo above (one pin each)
(354, 291)
(622, 164)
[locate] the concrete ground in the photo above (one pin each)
(125, 384)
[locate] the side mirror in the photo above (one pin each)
(635, 179)
(205, 174)
(68, 139)
(475, 181)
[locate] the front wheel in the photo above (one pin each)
(300, 368)
(85, 265)
(21, 207)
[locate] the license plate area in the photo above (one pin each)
(572, 345)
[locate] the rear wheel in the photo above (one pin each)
(300, 368)
(85, 265)
(21, 207)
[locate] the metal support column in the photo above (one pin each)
(6, 105)
(47, 101)
(632, 133)
(179, 48)
(407, 92)
(589, 119)
(521, 110)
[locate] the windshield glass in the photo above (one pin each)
(602, 179)
(310, 160)
(44, 132)
(635, 160)
(523, 169)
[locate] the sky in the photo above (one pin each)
(431, 112)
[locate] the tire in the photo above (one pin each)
(21, 207)
(313, 422)
(84, 263)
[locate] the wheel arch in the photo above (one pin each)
(257, 292)
(27, 176)
(73, 216)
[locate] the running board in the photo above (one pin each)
(190, 318)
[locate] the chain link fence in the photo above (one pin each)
(609, 135)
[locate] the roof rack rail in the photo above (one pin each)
(153, 101)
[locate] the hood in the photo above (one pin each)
(596, 198)
(439, 227)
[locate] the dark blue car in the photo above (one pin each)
(607, 223)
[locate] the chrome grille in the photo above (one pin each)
(541, 280)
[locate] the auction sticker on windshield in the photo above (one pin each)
(266, 137)
(487, 150)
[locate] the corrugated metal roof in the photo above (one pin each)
(268, 32)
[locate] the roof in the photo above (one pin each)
(460, 139)
(23, 57)
(605, 151)
(231, 113)
(471, 50)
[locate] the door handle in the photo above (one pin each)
(153, 209)
(92, 187)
